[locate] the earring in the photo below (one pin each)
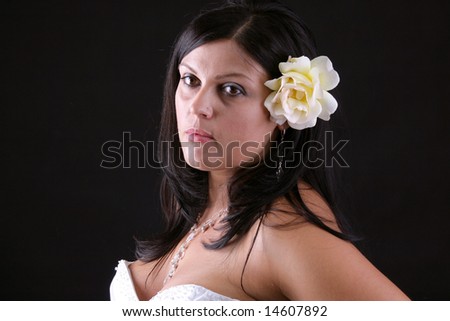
(280, 162)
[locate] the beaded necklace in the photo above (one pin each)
(194, 231)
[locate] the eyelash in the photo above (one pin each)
(192, 81)
(240, 90)
(191, 77)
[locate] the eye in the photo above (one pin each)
(190, 80)
(232, 89)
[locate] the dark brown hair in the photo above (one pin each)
(269, 33)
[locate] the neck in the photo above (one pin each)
(218, 193)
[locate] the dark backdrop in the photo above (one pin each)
(77, 74)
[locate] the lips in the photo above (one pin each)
(198, 135)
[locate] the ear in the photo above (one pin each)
(284, 126)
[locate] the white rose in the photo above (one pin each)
(300, 95)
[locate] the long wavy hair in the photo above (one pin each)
(269, 33)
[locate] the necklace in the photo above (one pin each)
(195, 230)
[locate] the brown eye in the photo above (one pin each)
(190, 80)
(233, 90)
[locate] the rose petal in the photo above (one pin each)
(298, 78)
(304, 125)
(329, 106)
(273, 84)
(328, 77)
(322, 62)
(329, 80)
(301, 65)
(315, 108)
(314, 94)
(269, 100)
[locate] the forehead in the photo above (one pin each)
(222, 57)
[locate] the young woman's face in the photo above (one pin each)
(222, 121)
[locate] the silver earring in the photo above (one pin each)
(280, 162)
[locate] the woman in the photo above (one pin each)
(251, 213)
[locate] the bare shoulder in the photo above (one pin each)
(317, 204)
(282, 213)
(145, 284)
(141, 270)
(309, 263)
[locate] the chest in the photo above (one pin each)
(237, 270)
(218, 270)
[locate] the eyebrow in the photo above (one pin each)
(231, 74)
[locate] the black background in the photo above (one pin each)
(80, 73)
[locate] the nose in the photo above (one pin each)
(201, 105)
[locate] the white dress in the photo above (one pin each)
(122, 289)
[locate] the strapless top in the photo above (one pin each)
(122, 289)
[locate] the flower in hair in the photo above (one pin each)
(300, 95)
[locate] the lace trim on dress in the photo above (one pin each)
(122, 289)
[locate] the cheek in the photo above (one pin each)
(179, 107)
(254, 124)
(253, 132)
(177, 100)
